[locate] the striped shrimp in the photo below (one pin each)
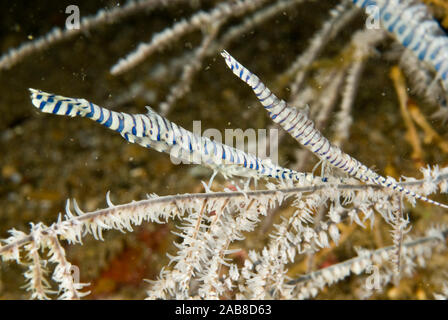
(414, 27)
(298, 125)
(154, 131)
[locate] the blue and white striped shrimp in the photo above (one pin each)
(414, 27)
(298, 125)
(154, 131)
